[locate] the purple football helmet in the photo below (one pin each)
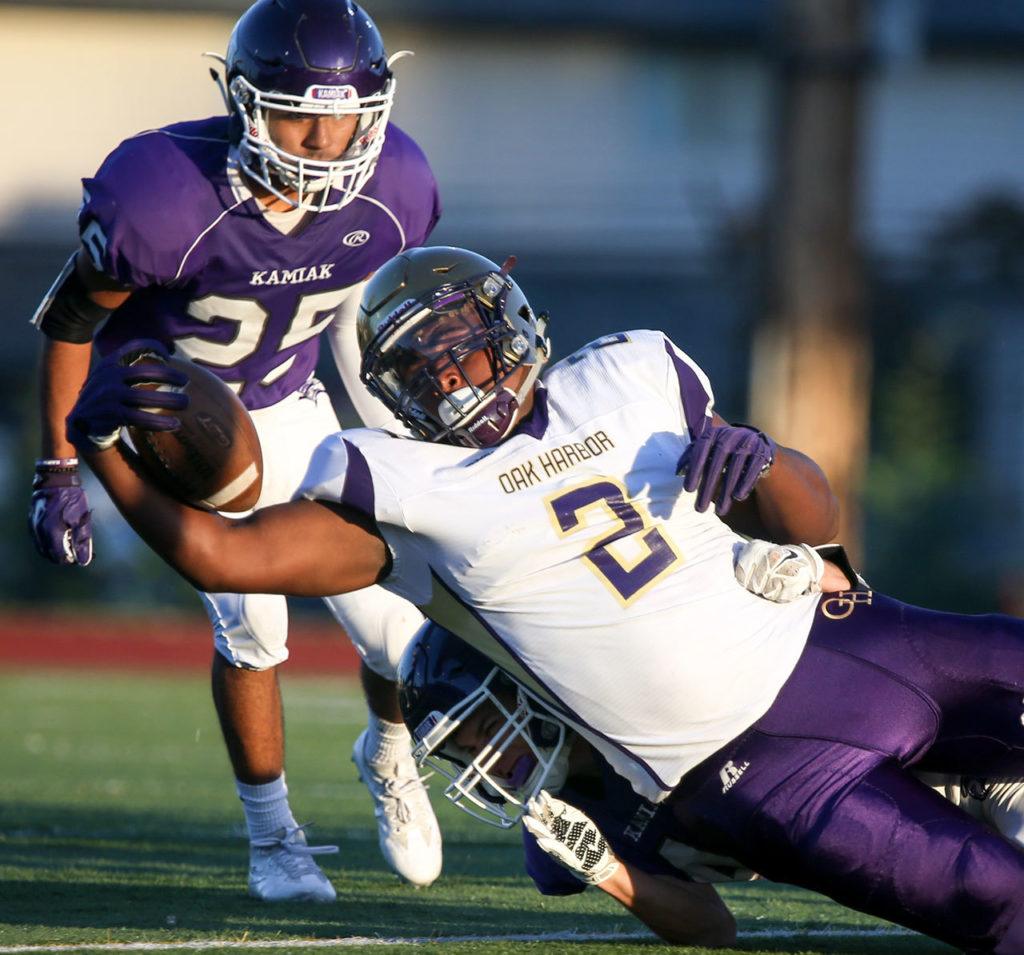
(446, 687)
(321, 57)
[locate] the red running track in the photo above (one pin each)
(161, 642)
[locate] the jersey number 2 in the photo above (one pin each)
(627, 577)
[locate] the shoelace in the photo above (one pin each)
(394, 797)
(289, 842)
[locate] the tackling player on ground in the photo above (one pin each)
(508, 758)
(240, 241)
(571, 527)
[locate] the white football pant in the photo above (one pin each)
(1000, 807)
(251, 630)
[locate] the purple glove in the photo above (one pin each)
(733, 456)
(59, 515)
(108, 401)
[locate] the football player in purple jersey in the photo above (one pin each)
(239, 241)
(576, 524)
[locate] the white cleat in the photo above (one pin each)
(407, 829)
(281, 869)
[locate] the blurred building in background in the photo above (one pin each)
(624, 153)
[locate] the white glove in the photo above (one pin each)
(779, 572)
(571, 838)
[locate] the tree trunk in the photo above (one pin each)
(811, 374)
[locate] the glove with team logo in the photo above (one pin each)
(728, 458)
(779, 572)
(59, 518)
(109, 399)
(571, 838)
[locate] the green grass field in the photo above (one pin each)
(119, 824)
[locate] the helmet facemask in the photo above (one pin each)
(456, 366)
(321, 185)
(495, 784)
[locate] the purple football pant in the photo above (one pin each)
(817, 793)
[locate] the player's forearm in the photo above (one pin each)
(833, 579)
(80, 300)
(682, 913)
(793, 502)
(302, 549)
(183, 536)
(63, 369)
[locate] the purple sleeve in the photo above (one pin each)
(136, 216)
(108, 237)
(357, 491)
(694, 391)
(549, 877)
(417, 180)
(422, 233)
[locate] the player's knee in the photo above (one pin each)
(991, 901)
(976, 893)
(380, 626)
(382, 655)
(249, 630)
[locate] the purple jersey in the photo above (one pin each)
(215, 277)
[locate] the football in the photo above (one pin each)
(213, 460)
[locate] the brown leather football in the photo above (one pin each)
(214, 459)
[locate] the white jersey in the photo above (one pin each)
(571, 555)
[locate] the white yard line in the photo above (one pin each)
(352, 941)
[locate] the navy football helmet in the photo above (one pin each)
(425, 317)
(489, 736)
(321, 57)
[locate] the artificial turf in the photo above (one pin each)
(119, 824)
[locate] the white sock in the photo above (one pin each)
(266, 807)
(386, 742)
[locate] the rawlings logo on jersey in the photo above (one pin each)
(305, 273)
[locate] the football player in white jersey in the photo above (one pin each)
(574, 526)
